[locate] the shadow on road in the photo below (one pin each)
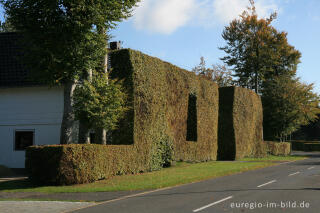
(314, 158)
(224, 191)
(306, 154)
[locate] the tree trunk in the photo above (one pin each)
(84, 135)
(84, 131)
(256, 82)
(68, 116)
(101, 134)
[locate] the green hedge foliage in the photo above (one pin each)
(240, 124)
(153, 133)
(311, 147)
(160, 93)
(279, 148)
(307, 146)
(81, 163)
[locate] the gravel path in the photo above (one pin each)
(40, 206)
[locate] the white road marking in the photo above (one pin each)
(211, 204)
(311, 167)
(294, 173)
(266, 183)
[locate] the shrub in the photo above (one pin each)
(99, 103)
(240, 124)
(278, 148)
(80, 163)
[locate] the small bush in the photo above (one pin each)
(163, 153)
(81, 163)
(278, 148)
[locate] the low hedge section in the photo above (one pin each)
(307, 146)
(81, 163)
(297, 146)
(278, 148)
(311, 147)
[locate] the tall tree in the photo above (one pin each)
(256, 51)
(263, 60)
(288, 104)
(61, 40)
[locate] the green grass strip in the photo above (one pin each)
(181, 173)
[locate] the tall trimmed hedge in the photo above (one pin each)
(160, 94)
(240, 124)
(173, 116)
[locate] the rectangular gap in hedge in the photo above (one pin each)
(192, 133)
(92, 137)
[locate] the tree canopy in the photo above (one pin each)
(63, 40)
(62, 37)
(99, 103)
(256, 51)
(5, 26)
(262, 59)
(288, 104)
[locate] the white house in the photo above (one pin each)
(30, 114)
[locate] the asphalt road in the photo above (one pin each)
(289, 187)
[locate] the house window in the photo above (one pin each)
(23, 139)
(192, 133)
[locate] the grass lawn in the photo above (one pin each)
(181, 173)
(276, 158)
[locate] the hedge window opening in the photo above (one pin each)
(92, 137)
(23, 139)
(192, 133)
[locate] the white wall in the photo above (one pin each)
(33, 108)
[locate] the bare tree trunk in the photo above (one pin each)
(101, 134)
(84, 131)
(68, 116)
(256, 82)
(84, 135)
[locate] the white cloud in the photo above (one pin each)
(163, 16)
(166, 16)
(227, 10)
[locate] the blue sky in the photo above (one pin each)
(181, 31)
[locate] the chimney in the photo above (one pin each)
(115, 45)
